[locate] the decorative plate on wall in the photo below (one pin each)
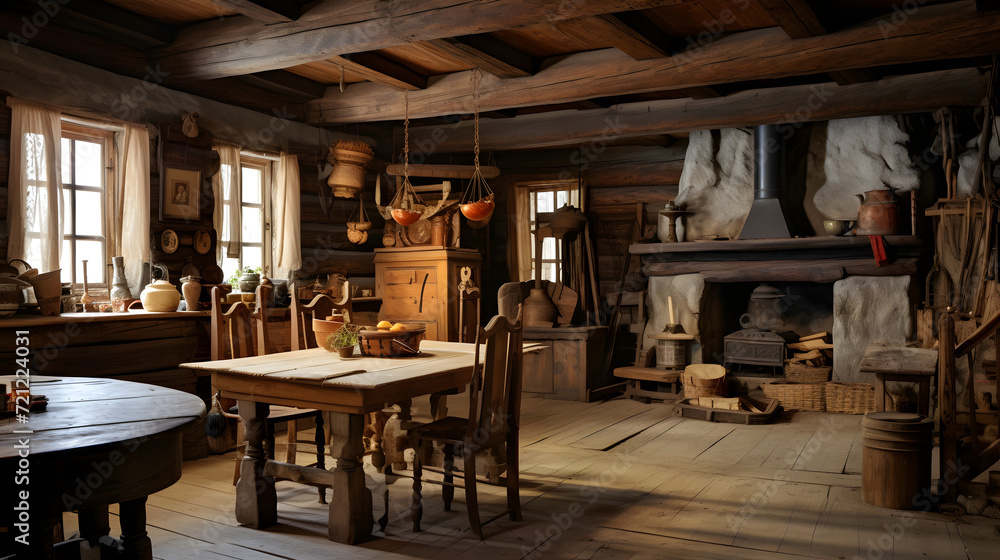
(202, 241)
(169, 241)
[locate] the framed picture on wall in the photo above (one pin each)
(180, 193)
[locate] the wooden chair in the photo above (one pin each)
(233, 336)
(319, 308)
(494, 415)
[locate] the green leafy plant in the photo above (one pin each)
(346, 335)
(234, 280)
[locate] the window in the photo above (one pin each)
(549, 197)
(255, 246)
(86, 167)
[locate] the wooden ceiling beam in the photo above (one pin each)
(786, 106)
(936, 32)
(238, 45)
(264, 11)
(118, 21)
(796, 17)
(379, 69)
(484, 52)
(286, 83)
(606, 31)
(799, 20)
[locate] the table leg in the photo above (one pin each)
(350, 519)
(94, 524)
(135, 541)
(439, 406)
(256, 499)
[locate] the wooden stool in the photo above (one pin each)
(646, 384)
(917, 365)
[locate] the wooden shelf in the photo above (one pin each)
(789, 244)
(806, 259)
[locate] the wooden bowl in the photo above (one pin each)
(322, 329)
(391, 344)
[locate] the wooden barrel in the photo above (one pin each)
(895, 459)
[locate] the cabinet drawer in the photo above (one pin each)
(410, 276)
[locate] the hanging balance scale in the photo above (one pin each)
(477, 202)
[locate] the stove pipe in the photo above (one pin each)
(767, 218)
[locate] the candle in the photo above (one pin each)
(670, 310)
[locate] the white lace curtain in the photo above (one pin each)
(128, 234)
(285, 219)
(35, 203)
(227, 190)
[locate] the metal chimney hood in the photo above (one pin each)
(767, 216)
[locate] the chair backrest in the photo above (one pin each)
(320, 307)
(495, 393)
(239, 332)
(468, 306)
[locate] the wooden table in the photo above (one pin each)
(101, 442)
(918, 365)
(348, 388)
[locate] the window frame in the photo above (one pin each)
(574, 190)
(77, 132)
(265, 167)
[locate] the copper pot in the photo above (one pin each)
(878, 213)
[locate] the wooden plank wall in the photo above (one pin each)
(4, 161)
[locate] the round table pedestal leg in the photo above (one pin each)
(135, 540)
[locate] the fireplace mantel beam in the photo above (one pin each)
(819, 270)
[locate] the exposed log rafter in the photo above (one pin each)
(379, 69)
(787, 106)
(484, 52)
(238, 45)
(608, 31)
(936, 32)
(264, 11)
(799, 20)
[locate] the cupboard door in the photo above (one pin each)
(536, 371)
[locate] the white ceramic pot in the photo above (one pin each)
(160, 296)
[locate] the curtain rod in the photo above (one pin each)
(260, 155)
(92, 123)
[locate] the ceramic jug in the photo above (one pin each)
(878, 213)
(160, 296)
(119, 284)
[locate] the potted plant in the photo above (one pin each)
(343, 340)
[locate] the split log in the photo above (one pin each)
(931, 33)
(238, 45)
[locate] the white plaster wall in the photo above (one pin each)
(867, 310)
(687, 291)
(862, 154)
(716, 183)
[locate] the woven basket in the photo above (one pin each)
(705, 380)
(798, 373)
(799, 396)
(850, 398)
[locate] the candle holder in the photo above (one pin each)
(672, 213)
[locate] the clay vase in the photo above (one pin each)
(160, 296)
(539, 311)
(878, 213)
(191, 288)
(119, 284)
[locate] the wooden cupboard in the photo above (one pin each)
(420, 285)
(571, 364)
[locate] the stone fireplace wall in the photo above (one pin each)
(864, 310)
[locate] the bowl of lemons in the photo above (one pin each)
(391, 340)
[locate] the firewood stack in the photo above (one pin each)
(812, 355)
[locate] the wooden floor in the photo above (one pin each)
(610, 480)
